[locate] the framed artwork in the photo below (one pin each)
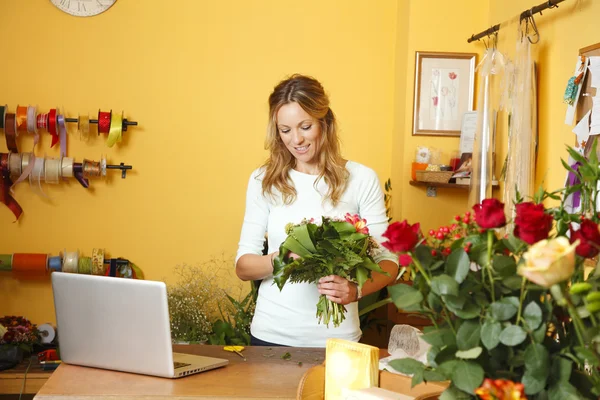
(444, 91)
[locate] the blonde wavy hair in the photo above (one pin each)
(310, 95)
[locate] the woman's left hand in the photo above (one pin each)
(337, 289)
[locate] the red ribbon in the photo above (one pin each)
(5, 184)
(52, 126)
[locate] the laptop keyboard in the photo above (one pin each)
(178, 364)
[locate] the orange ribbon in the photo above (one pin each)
(21, 119)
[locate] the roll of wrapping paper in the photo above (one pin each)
(53, 126)
(29, 264)
(10, 132)
(85, 265)
(98, 262)
(47, 333)
(32, 121)
(104, 119)
(83, 126)
(3, 111)
(52, 170)
(14, 163)
(70, 261)
(5, 184)
(116, 130)
(21, 117)
(5, 262)
(62, 127)
(66, 167)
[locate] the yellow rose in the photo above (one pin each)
(549, 261)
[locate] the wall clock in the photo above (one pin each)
(83, 8)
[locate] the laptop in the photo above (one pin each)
(119, 324)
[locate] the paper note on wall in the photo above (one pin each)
(595, 122)
(581, 66)
(582, 130)
(594, 69)
(467, 132)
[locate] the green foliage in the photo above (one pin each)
(234, 326)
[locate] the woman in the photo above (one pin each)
(305, 177)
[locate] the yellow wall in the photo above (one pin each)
(196, 75)
(434, 26)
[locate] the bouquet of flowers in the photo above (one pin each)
(335, 247)
(510, 308)
(18, 331)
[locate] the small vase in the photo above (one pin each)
(11, 354)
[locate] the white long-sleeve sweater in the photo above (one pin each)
(288, 316)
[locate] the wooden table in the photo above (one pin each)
(11, 380)
(264, 375)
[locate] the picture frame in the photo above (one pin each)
(444, 91)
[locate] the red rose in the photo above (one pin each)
(532, 224)
(490, 214)
(8, 336)
(402, 236)
(589, 239)
(405, 260)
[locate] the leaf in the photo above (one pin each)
(457, 265)
(534, 382)
(407, 366)
(404, 295)
(417, 378)
(512, 335)
(361, 275)
(452, 393)
(536, 357)
(433, 376)
(490, 334)
(436, 265)
(301, 234)
(295, 246)
(562, 391)
(423, 254)
(439, 337)
(586, 355)
(455, 301)
(469, 310)
(467, 376)
(532, 316)
(469, 354)
(540, 334)
(503, 310)
(443, 284)
(434, 302)
(431, 355)
(561, 369)
(468, 335)
(505, 266)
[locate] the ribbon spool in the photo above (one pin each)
(32, 120)
(29, 265)
(21, 119)
(52, 170)
(47, 333)
(53, 126)
(3, 110)
(94, 169)
(5, 262)
(54, 263)
(66, 167)
(62, 127)
(104, 119)
(85, 265)
(116, 130)
(70, 261)
(10, 132)
(37, 171)
(98, 262)
(83, 127)
(14, 163)
(42, 121)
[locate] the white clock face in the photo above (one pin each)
(83, 8)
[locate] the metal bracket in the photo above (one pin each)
(431, 191)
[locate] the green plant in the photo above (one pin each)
(519, 306)
(234, 326)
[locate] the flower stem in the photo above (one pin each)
(420, 268)
(375, 305)
(521, 298)
(490, 244)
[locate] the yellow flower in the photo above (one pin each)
(549, 261)
(3, 330)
